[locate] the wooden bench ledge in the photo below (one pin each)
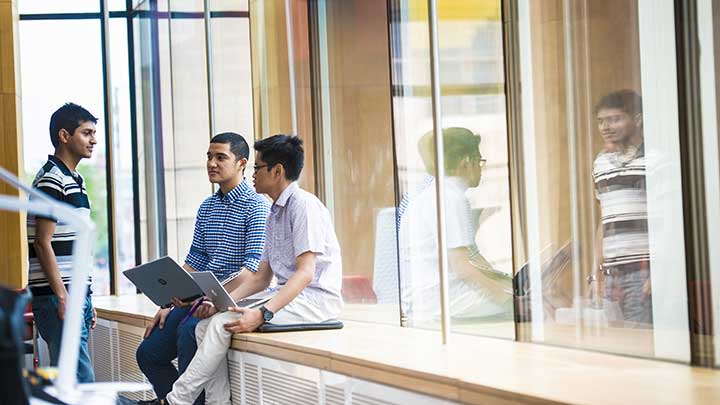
(470, 369)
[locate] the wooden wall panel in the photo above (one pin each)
(361, 120)
(13, 234)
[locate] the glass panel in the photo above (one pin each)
(353, 95)
(274, 95)
(117, 5)
(154, 120)
(232, 79)
(477, 198)
(42, 44)
(601, 181)
(229, 5)
(185, 5)
(709, 37)
(54, 6)
(185, 146)
(122, 153)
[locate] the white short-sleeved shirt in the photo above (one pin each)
(419, 256)
(299, 223)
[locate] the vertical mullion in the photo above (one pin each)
(395, 48)
(439, 168)
(109, 168)
(209, 69)
(133, 133)
(158, 167)
(691, 162)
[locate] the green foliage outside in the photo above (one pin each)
(95, 184)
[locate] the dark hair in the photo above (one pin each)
(68, 117)
(626, 100)
(281, 149)
(458, 144)
(238, 146)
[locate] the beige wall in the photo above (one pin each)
(13, 234)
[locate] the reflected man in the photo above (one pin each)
(475, 292)
(622, 248)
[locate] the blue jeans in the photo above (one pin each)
(49, 327)
(156, 353)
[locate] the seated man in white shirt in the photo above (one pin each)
(474, 292)
(301, 250)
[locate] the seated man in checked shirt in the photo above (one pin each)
(301, 250)
(229, 237)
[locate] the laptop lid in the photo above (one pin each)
(219, 296)
(162, 279)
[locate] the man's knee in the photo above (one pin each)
(145, 355)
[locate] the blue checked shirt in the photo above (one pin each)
(229, 232)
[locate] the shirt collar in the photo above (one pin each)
(286, 194)
(242, 190)
(61, 165)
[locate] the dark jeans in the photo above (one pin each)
(627, 288)
(49, 327)
(156, 353)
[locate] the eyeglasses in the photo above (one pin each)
(258, 167)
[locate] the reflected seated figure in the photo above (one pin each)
(474, 291)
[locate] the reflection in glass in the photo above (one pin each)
(620, 187)
(476, 290)
(600, 207)
(477, 178)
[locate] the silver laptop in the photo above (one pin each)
(163, 279)
(219, 296)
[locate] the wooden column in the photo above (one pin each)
(13, 234)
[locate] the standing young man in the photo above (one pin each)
(72, 133)
(302, 251)
(229, 237)
(622, 246)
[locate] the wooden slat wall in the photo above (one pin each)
(13, 234)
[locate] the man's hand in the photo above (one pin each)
(647, 289)
(61, 308)
(180, 304)
(248, 322)
(159, 320)
(93, 323)
(205, 310)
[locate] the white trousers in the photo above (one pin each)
(208, 369)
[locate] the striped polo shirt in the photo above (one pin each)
(229, 232)
(620, 187)
(57, 181)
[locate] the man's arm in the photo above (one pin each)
(44, 230)
(252, 318)
(459, 260)
(246, 283)
(250, 282)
